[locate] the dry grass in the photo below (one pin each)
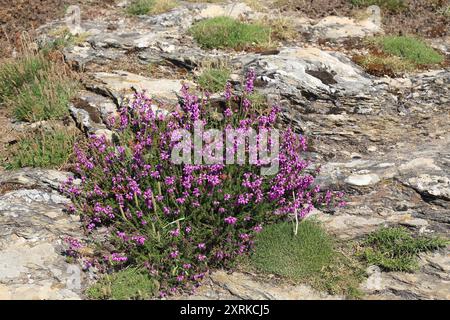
(143, 7)
(281, 28)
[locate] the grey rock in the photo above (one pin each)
(31, 242)
(122, 84)
(35, 177)
(240, 286)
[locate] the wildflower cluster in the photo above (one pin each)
(179, 220)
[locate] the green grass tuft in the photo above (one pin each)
(409, 48)
(395, 249)
(128, 284)
(36, 88)
(225, 32)
(214, 79)
(15, 74)
(43, 99)
(44, 148)
(309, 257)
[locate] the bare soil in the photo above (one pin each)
(26, 15)
(421, 17)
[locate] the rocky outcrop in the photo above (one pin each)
(221, 285)
(383, 141)
(34, 226)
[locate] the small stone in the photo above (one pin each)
(362, 179)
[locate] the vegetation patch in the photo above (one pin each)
(127, 284)
(394, 55)
(143, 7)
(214, 79)
(308, 257)
(225, 32)
(178, 220)
(36, 87)
(281, 28)
(43, 148)
(411, 49)
(64, 38)
(396, 249)
(17, 73)
(393, 5)
(47, 97)
(380, 64)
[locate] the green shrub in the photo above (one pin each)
(44, 148)
(214, 80)
(143, 7)
(409, 48)
(395, 249)
(15, 74)
(225, 32)
(392, 5)
(310, 256)
(180, 220)
(126, 284)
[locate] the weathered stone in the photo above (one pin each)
(243, 286)
(31, 242)
(334, 27)
(122, 84)
(402, 285)
(311, 80)
(362, 179)
(35, 177)
(431, 185)
(233, 10)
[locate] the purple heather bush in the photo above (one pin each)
(180, 220)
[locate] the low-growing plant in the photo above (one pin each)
(178, 220)
(213, 79)
(226, 32)
(16, 73)
(409, 48)
(395, 249)
(392, 5)
(64, 38)
(127, 284)
(394, 55)
(43, 148)
(281, 28)
(308, 257)
(382, 64)
(47, 97)
(143, 7)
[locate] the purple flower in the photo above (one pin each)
(118, 258)
(230, 220)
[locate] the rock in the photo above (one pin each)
(431, 185)
(363, 179)
(122, 84)
(347, 226)
(334, 27)
(245, 287)
(35, 177)
(31, 243)
(92, 112)
(232, 10)
(419, 163)
(311, 80)
(425, 284)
